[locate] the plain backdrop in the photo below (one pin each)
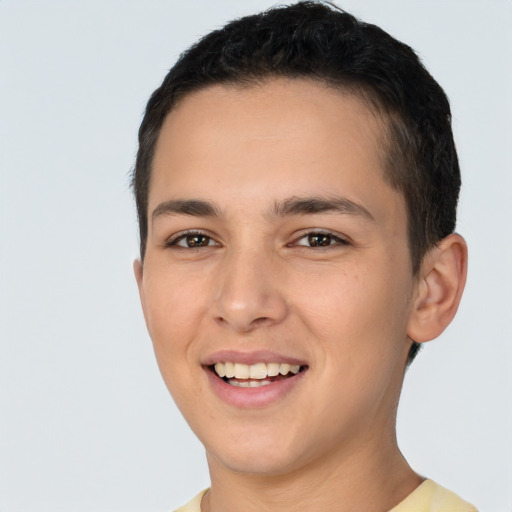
(86, 423)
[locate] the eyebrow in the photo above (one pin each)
(291, 206)
(193, 207)
(312, 205)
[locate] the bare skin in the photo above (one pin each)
(273, 234)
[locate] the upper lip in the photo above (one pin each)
(252, 357)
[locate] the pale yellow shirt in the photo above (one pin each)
(428, 497)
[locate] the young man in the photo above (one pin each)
(296, 186)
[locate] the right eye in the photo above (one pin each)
(192, 241)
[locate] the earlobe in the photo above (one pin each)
(441, 283)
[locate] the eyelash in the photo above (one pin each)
(174, 240)
(337, 240)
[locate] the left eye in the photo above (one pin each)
(320, 240)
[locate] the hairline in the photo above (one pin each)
(387, 120)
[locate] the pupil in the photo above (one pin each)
(319, 240)
(197, 241)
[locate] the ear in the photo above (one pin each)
(441, 281)
(138, 270)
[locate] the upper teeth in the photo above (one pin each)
(254, 371)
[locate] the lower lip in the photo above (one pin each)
(253, 397)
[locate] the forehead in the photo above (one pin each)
(283, 137)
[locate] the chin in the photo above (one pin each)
(259, 458)
(255, 464)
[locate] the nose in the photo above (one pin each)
(250, 292)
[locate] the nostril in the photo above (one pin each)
(261, 320)
(242, 324)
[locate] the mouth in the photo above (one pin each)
(255, 375)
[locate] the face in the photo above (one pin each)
(277, 283)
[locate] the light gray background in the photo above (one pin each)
(85, 422)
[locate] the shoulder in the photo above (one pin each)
(194, 505)
(431, 497)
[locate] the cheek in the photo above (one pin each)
(357, 313)
(174, 309)
(359, 326)
(173, 302)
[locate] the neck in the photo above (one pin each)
(375, 478)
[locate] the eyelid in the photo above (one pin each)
(173, 240)
(335, 236)
(338, 238)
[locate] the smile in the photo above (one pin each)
(255, 375)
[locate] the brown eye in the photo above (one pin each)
(195, 241)
(192, 241)
(319, 240)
